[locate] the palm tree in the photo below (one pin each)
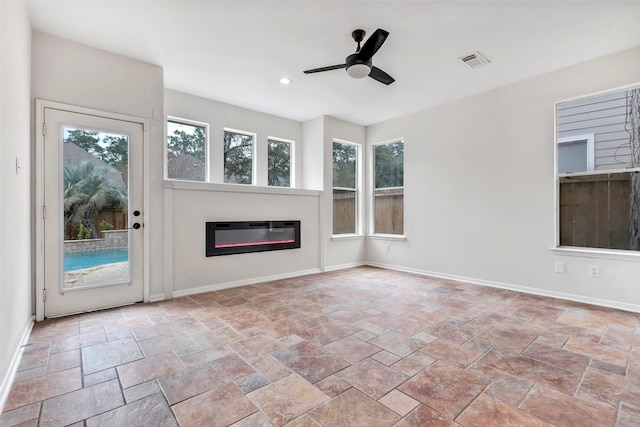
(87, 190)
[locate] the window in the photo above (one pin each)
(186, 150)
(388, 191)
(238, 157)
(576, 154)
(279, 163)
(345, 188)
(598, 181)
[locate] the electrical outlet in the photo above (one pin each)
(594, 271)
(387, 248)
(560, 267)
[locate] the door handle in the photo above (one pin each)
(136, 225)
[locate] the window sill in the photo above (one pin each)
(597, 253)
(346, 236)
(396, 237)
(238, 188)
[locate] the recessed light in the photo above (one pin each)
(285, 80)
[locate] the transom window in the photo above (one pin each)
(186, 150)
(280, 171)
(238, 157)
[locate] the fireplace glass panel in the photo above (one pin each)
(227, 238)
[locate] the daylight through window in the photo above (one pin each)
(598, 152)
(186, 150)
(279, 163)
(388, 192)
(238, 157)
(345, 187)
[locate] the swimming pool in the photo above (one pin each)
(76, 261)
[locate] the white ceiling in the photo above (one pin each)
(236, 51)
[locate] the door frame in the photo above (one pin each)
(39, 241)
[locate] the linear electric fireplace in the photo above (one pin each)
(239, 237)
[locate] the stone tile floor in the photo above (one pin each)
(358, 347)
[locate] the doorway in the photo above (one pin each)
(92, 223)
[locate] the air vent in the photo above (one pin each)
(474, 60)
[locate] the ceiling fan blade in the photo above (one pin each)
(329, 68)
(379, 75)
(372, 44)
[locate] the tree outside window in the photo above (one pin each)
(279, 163)
(388, 194)
(345, 191)
(238, 157)
(186, 151)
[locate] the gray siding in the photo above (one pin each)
(603, 116)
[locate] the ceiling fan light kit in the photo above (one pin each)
(360, 64)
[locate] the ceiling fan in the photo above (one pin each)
(359, 64)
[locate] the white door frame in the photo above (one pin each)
(39, 191)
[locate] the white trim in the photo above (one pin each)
(245, 282)
(239, 188)
(600, 92)
(157, 297)
(345, 266)
(591, 151)
(41, 105)
(168, 243)
(619, 255)
(380, 236)
(524, 289)
(10, 375)
(347, 236)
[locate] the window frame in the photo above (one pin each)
(207, 147)
(558, 249)
(254, 138)
(292, 147)
(591, 151)
(373, 188)
(359, 205)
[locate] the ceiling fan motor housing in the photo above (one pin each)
(357, 68)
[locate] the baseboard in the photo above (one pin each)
(344, 266)
(524, 289)
(253, 281)
(156, 297)
(10, 375)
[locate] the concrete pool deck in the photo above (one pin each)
(100, 274)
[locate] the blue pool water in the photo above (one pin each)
(91, 259)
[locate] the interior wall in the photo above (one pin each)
(16, 300)
(71, 73)
(479, 189)
(192, 204)
(193, 272)
(341, 251)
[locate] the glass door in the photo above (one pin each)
(93, 221)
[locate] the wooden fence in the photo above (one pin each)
(388, 205)
(594, 211)
(114, 216)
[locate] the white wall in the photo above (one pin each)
(479, 188)
(71, 73)
(16, 291)
(191, 208)
(191, 205)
